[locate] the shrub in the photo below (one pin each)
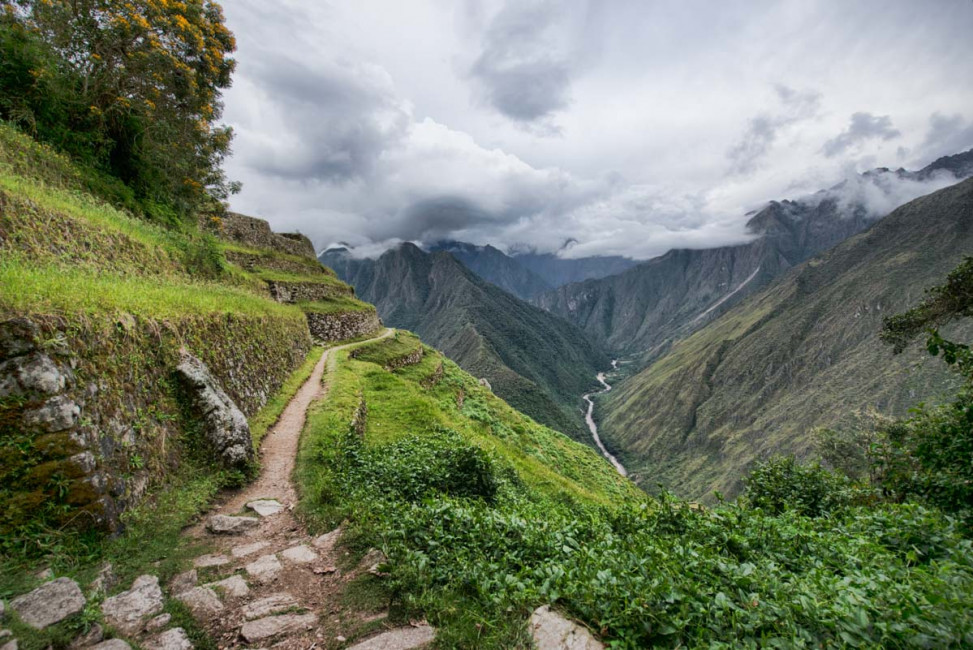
(781, 485)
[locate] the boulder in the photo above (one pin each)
(226, 428)
(227, 525)
(183, 582)
(551, 631)
(50, 603)
(9, 645)
(174, 639)
(271, 626)
(31, 374)
(128, 610)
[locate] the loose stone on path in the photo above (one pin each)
(272, 604)
(264, 569)
(266, 507)
(205, 561)
(202, 601)
(403, 638)
(249, 549)
(227, 525)
(50, 603)
(234, 586)
(271, 626)
(174, 639)
(299, 554)
(129, 609)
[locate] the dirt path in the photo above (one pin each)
(267, 583)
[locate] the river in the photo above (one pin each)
(590, 419)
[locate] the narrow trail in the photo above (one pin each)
(593, 428)
(267, 582)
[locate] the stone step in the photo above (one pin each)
(269, 627)
(248, 549)
(272, 604)
(299, 555)
(403, 638)
(229, 525)
(264, 569)
(266, 507)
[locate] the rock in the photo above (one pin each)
(56, 414)
(112, 644)
(158, 623)
(92, 637)
(174, 639)
(271, 626)
(5, 633)
(272, 604)
(264, 569)
(3, 610)
(105, 579)
(34, 373)
(234, 586)
(248, 549)
(183, 582)
(204, 561)
(372, 560)
(266, 507)
(485, 383)
(201, 601)
(299, 554)
(551, 631)
(50, 603)
(401, 638)
(17, 337)
(227, 525)
(9, 645)
(327, 541)
(127, 611)
(226, 426)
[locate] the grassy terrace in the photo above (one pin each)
(399, 345)
(335, 305)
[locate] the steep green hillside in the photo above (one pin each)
(537, 362)
(483, 515)
(104, 305)
(802, 353)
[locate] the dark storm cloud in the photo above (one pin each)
(863, 127)
(526, 66)
(337, 118)
(761, 133)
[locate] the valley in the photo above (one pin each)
(593, 427)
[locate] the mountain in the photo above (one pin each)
(558, 271)
(799, 354)
(538, 362)
(494, 266)
(642, 310)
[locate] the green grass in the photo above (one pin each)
(26, 287)
(270, 413)
(399, 345)
(335, 305)
(284, 276)
(313, 266)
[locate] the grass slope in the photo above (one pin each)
(536, 361)
(485, 515)
(800, 354)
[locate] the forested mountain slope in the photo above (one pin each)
(802, 353)
(538, 362)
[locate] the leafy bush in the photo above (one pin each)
(782, 485)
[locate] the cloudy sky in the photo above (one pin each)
(627, 126)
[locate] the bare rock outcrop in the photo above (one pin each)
(226, 427)
(551, 631)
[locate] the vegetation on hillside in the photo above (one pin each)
(485, 515)
(803, 353)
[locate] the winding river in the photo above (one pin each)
(590, 419)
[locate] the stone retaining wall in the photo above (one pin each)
(435, 377)
(250, 262)
(342, 325)
(410, 359)
(90, 409)
(291, 292)
(256, 233)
